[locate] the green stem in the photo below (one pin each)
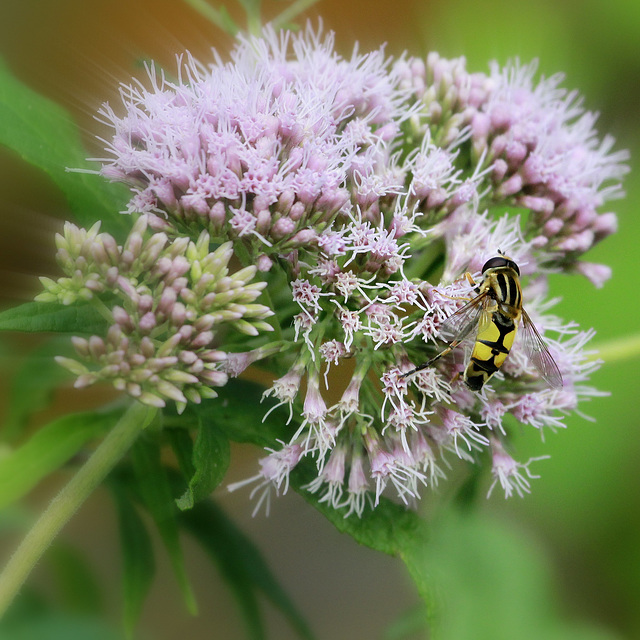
(254, 21)
(425, 262)
(242, 253)
(220, 18)
(65, 504)
(254, 24)
(102, 309)
(282, 20)
(619, 349)
(272, 320)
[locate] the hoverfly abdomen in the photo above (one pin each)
(491, 348)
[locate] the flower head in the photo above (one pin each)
(267, 149)
(370, 187)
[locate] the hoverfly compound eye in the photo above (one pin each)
(494, 263)
(498, 262)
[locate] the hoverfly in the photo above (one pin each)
(496, 312)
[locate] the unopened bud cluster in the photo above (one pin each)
(164, 301)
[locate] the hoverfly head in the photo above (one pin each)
(500, 262)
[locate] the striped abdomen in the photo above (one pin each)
(490, 350)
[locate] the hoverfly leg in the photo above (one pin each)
(472, 282)
(427, 364)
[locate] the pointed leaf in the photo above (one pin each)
(218, 16)
(182, 445)
(492, 581)
(48, 449)
(32, 384)
(77, 585)
(57, 626)
(386, 528)
(44, 135)
(237, 411)
(53, 317)
(242, 565)
(137, 557)
(157, 496)
(210, 460)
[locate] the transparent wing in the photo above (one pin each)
(460, 324)
(538, 353)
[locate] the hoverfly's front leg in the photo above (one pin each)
(471, 281)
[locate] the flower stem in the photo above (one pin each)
(619, 349)
(220, 18)
(102, 309)
(65, 504)
(272, 320)
(242, 253)
(282, 20)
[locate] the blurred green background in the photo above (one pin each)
(581, 525)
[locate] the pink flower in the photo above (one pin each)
(261, 131)
(513, 476)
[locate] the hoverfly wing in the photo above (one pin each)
(460, 324)
(538, 353)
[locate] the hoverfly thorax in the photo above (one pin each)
(501, 282)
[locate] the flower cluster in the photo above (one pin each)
(387, 431)
(370, 187)
(164, 302)
(263, 149)
(531, 145)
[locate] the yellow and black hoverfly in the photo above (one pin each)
(495, 313)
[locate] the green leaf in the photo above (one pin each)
(58, 626)
(242, 565)
(43, 134)
(492, 581)
(156, 493)
(412, 624)
(220, 16)
(387, 528)
(182, 445)
(53, 317)
(292, 12)
(137, 558)
(210, 458)
(237, 411)
(76, 585)
(32, 385)
(48, 449)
